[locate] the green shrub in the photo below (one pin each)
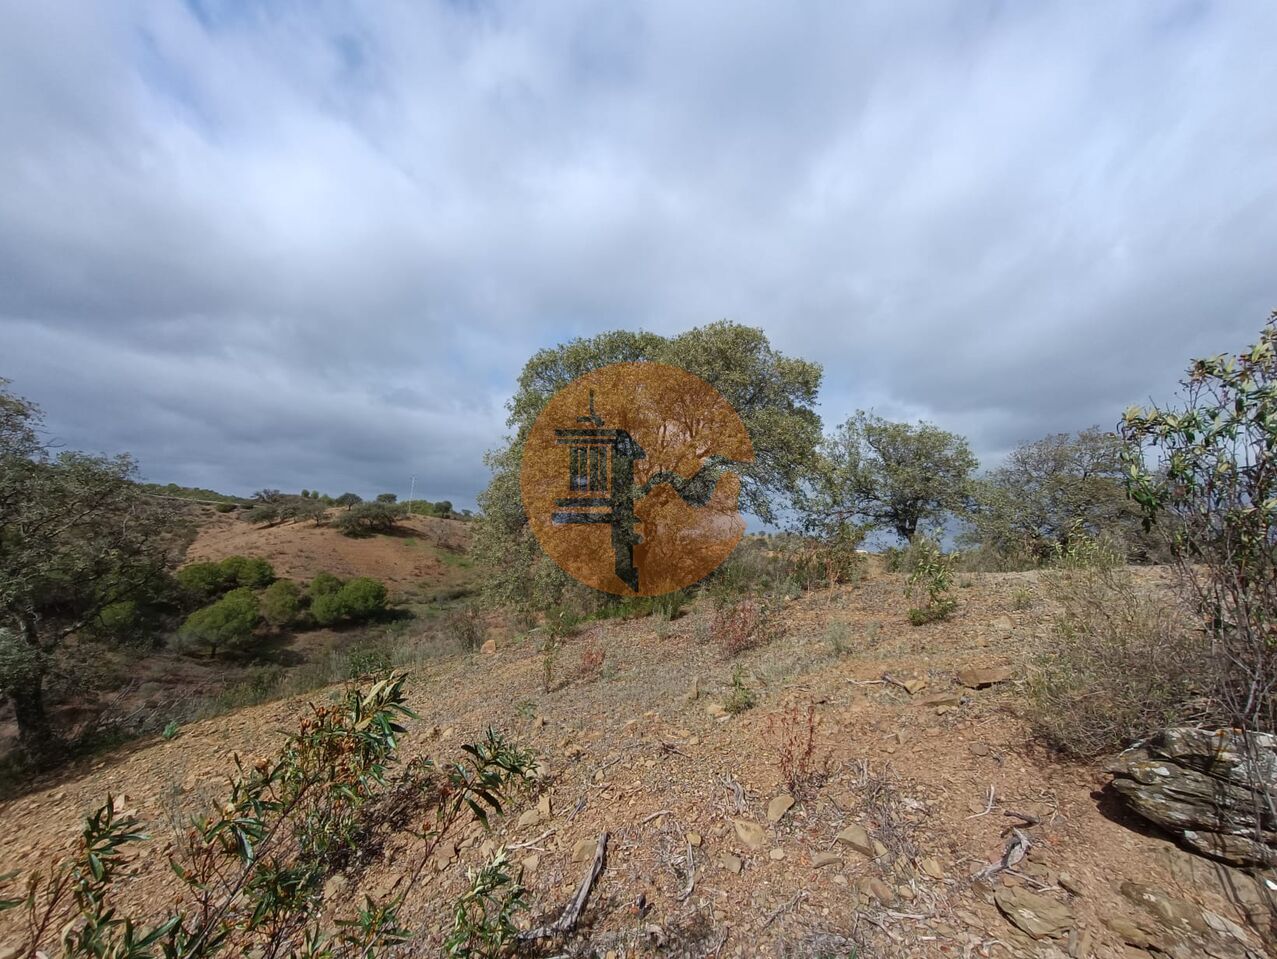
(225, 507)
(203, 581)
(363, 598)
(324, 584)
(245, 571)
(932, 572)
(225, 625)
(263, 513)
(359, 600)
(483, 917)
(281, 603)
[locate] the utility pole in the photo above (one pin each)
(411, 491)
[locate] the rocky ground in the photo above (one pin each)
(934, 825)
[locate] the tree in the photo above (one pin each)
(225, 625)
(365, 519)
(443, 508)
(268, 513)
(774, 395)
(1205, 476)
(386, 497)
(252, 572)
(268, 496)
(348, 500)
(203, 582)
(77, 535)
(281, 602)
(893, 476)
(1052, 489)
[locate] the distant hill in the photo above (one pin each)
(193, 493)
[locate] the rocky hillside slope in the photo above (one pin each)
(939, 829)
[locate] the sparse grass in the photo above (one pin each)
(1021, 599)
(838, 635)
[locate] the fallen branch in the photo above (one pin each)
(531, 842)
(798, 897)
(572, 913)
(1029, 818)
(1016, 850)
(988, 806)
(656, 815)
(691, 873)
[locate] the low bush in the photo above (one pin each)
(466, 626)
(748, 624)
(225, 626)
(740, 698)
(932, 573)
(357, 601)
(1121, 663)
(247, 571)
(591, 666)
(202, 582)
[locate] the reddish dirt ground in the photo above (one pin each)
(642, 750)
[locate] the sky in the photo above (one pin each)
(312, 244)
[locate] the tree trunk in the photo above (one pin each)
(35, 733)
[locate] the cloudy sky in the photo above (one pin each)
(311, 245)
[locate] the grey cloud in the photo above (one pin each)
(263, 245)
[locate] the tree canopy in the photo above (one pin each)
(77, 535)
(1051, 489)
(885, 475)
(773, 394)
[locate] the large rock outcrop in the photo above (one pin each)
(1217, 789)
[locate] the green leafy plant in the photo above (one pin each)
(1205, 477)
(252, 872)
(355, 601)
(932, 574)
(483, 916)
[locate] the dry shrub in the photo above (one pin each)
(793, 735)
(1120, 664)
(591, 665)
(745, 625)
(466, 626)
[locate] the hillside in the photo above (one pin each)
(425, 555)
(644, 750)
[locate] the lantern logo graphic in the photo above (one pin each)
(627, 478)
